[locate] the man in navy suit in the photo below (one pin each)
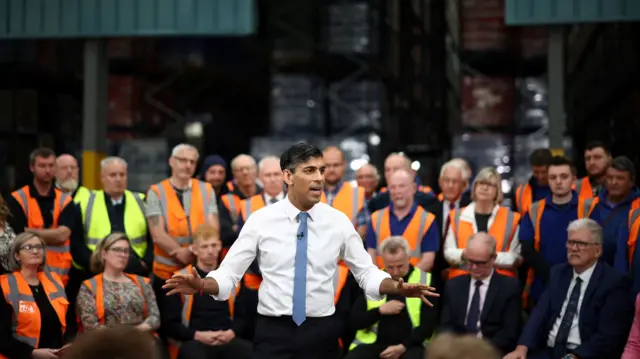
(586, 310)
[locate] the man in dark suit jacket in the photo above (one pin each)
(586, 310)
(483, 303)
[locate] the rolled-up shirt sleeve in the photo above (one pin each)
(241, 254)
(359, 262)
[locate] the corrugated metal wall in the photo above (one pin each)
(543, 12)
(107, 18)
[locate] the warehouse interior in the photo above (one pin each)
(431, 78)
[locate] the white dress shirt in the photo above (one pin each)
(453, 254)
(270, 235)
(267, 198)
(483, 294)
(574, 339)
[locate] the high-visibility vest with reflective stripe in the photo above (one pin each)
(233, 204)
(502, 229)
(634, 231)
(585, 208)
(96, 287)
(349, 200)
(414, 307)
(58, 256)
(414, 233)
(82, 195)
(583, 188)
(179, 225)
(26, 322)
(421, 188)
(97, 226)
(524, 198)
(247, 207)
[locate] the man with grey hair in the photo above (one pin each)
(586, 310)
(483, 303)
(68, 178)
(368, 178)
(245, 176)
(395, 326)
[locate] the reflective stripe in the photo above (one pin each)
(232, 207)
(578, 188)
(378, 226)
(587, 206)
(417, 251)
(456, 220)
(533, 214)
(634, 217)
(247, 208)
(23, 198)
(87, 221)
(355, 202)
(59, 249)
(507, 232)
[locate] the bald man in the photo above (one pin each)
(424, 196)
(403, 217)
(67, 178)
(245, 175)
(340, 195)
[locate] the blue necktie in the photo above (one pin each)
(300, 277)
(474, 310)
(560, 347)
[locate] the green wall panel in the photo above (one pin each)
(556, 12)
(106, 18)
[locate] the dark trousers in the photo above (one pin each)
(281, 338)
(250, 301)
(235, 349)
(76, 277)
(372, 351)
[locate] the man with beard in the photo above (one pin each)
(597, 159)
(67, 174)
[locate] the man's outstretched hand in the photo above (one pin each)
(184, 283)
(416, 291)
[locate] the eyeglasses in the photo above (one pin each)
(119, 250)
(487, 184)
(468, 262)
(580, 244)
(32, 248)
(185, 160)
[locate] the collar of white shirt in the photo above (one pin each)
(293, 211)
(278, 197)
(586, 275)
(485, 281)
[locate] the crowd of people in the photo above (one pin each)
(550, 276)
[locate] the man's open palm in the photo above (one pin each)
(417, 291)
(184, 283)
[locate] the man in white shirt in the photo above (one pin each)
(297, 242)
(586, 310)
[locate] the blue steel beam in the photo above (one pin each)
(564, 12)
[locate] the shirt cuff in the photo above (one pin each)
(372, 291)
(224, 285)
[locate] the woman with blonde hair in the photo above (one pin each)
(484, 214)
(7, 236)
(33, 307)
(114, 297)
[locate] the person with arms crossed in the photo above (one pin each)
(298, 242)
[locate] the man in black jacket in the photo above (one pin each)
(484, 303)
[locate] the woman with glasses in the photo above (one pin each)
(7, 236)
(113, 297)
(484, 214)
(33, 306)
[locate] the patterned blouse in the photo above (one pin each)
(123, 304)
(6, 241)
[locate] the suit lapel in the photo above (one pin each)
(494, 286)
(464, 296)
(593, 283)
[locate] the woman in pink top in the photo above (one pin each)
(632, 349)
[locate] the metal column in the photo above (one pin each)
(557, 115)
(94, 115)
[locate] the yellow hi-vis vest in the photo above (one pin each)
(414, 305)
(97, 225)
(82, 195)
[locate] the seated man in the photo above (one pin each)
(395, 327)
(586, 310)
(198, 326)
(484, 303)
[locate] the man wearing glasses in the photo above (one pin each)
(586, 310)
(483, 303)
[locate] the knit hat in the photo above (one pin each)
(212, 160)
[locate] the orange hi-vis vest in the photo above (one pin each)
(634, 231)
(58, 257)
(339, 281)
(421, 188)
(414, 233)
(233, 203)
(585, 208)
(179, 224)
(26, 320)
(247, 207)
(583, 188)
(503, 229)
(187, 306)
(349, 200)
(524, 198)
(96, 286)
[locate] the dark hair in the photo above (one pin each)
(120, 342)
(540, 157)
(596, 144)
(562, 161)
(624, 164)
(42, 152)
(299, 153)
(4, 211)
